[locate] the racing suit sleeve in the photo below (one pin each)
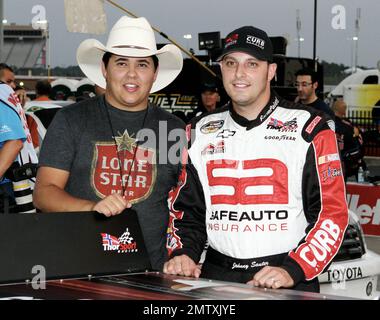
(187, 227)
(325, 207)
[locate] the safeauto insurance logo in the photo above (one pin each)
(123, 244)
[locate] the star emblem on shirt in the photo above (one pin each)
(125, 142)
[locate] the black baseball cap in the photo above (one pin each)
(250, 40)
(212, 87)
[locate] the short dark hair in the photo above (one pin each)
(212, 87)
(308, 72)
(107, 55)
(4, 66)
(43, 88)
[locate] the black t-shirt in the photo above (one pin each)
(320, 105)
(80, 140)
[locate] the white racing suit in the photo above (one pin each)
(263, 192)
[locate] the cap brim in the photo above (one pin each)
(90, 53)
(245, 50)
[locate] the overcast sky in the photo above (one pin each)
(179, 17)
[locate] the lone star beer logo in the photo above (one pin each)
(138, 176)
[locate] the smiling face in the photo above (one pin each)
(129, 81)
(306, 89)
(247, 82)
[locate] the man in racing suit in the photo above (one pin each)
(263, 182)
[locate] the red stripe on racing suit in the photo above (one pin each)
(187, 200)
(323, 241)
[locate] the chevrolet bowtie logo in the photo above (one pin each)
(226, 133)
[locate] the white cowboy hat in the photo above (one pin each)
(131, 37)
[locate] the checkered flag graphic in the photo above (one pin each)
(125, 238)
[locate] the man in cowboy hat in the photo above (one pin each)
(96, 155)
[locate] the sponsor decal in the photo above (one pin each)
(331, 173)
(231, 40)
(322, 244)
(313, 124)
(212, 126)
(123, 244)
(256, 41)
(328, 158)
(365, 202)
(226, 133)
(269, 221)
(113, 166)
(280, 138)
(288, 126)
(275, 124)
(249, 215)
(213, 149)
(259, 227)
(269, 111)
(331, 124)
(270, 188)
(172, 241)
(343, 274)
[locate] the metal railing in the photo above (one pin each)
(370, 129)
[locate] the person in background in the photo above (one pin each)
(16, 149)
(258, 182)
(12, 137)
(7, 75)
(209, 100)
(350, 141)
(43, 90)
(32, 124)
(307, 84)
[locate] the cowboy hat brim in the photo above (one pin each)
(90, 53)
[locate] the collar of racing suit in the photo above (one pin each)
(264, 114)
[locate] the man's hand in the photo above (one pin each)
(183, 266)
(112, 205)
(272, 277)
(21, 95)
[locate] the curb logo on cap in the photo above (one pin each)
(250, 40)
(256, 41)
